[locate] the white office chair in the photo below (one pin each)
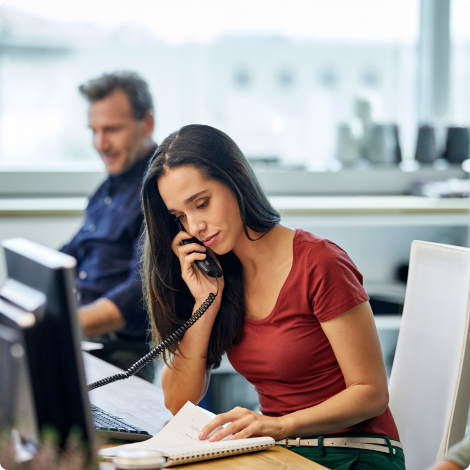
(430, 379)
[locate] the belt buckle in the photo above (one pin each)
(297, 442)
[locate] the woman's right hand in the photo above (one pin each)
(199, 283)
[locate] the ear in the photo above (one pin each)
(148, 124)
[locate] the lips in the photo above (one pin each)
(210, 240)
(110, 156)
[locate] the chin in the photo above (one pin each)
(221, 249)
(114, 169)
(114, 166)
(219, 252)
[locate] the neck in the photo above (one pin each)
(256, 255)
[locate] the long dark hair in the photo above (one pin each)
(168, 298)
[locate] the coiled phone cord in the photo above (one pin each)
(175, 336)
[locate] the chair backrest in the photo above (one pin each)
(430, 380)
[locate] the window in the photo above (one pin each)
(459, 109)
(285, 78)
(279, 80)
(242, 78)
(328, 77)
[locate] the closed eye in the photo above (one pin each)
(204, 204)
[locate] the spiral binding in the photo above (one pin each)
(175, 336)
(205, 454)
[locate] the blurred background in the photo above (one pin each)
(354, 114)
(284, 79)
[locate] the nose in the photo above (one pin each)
(196, 226)
(100, 141)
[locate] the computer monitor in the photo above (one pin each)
(11, 351)
(38, 302)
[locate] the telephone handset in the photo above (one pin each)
(208, 266)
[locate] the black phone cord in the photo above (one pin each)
(175, 336)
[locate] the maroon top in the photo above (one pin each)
(286, 355)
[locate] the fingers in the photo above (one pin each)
(187, 254)
(178, 240)
(239, 418)
(219, 420)
(187, 264)
(185, 250)
(244, 426)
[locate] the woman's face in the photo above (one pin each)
(207, 209)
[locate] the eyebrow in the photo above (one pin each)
(190, 199)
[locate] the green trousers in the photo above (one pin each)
(336, 458)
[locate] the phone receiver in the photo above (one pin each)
(208, 265)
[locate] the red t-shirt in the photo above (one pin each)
(286, 355)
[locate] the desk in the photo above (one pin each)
(141, 403)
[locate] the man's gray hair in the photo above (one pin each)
(134, 86)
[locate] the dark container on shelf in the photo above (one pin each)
(457, 144)
(426, 145)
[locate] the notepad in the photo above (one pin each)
(179, 443)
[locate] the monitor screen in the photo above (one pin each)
(38, 301)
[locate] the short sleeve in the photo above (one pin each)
(335, 284)
(460, 453)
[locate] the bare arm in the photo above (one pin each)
(101, 316)
(446, 465)
(186, 377)
(355, 342)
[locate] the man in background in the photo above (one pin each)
(107, 245)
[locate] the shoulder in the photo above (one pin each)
(316, 248)
(334, 284)
(321, 258)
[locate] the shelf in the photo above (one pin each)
(43, 207)
(453, 211)
(367, 205)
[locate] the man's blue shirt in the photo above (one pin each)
(107, 249)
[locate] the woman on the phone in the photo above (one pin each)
(291, 312)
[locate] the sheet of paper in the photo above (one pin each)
(182, 430)
(185, 427)
(207, 412)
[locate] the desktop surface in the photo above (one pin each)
(276, 458)
(141, 403)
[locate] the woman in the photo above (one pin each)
(290, 309)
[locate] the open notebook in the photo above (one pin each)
(179, 443)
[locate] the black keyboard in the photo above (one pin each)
(115, 427)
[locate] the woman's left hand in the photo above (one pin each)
(243, 423)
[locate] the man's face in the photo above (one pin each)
(117, 135)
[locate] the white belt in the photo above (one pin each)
(367, 443)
